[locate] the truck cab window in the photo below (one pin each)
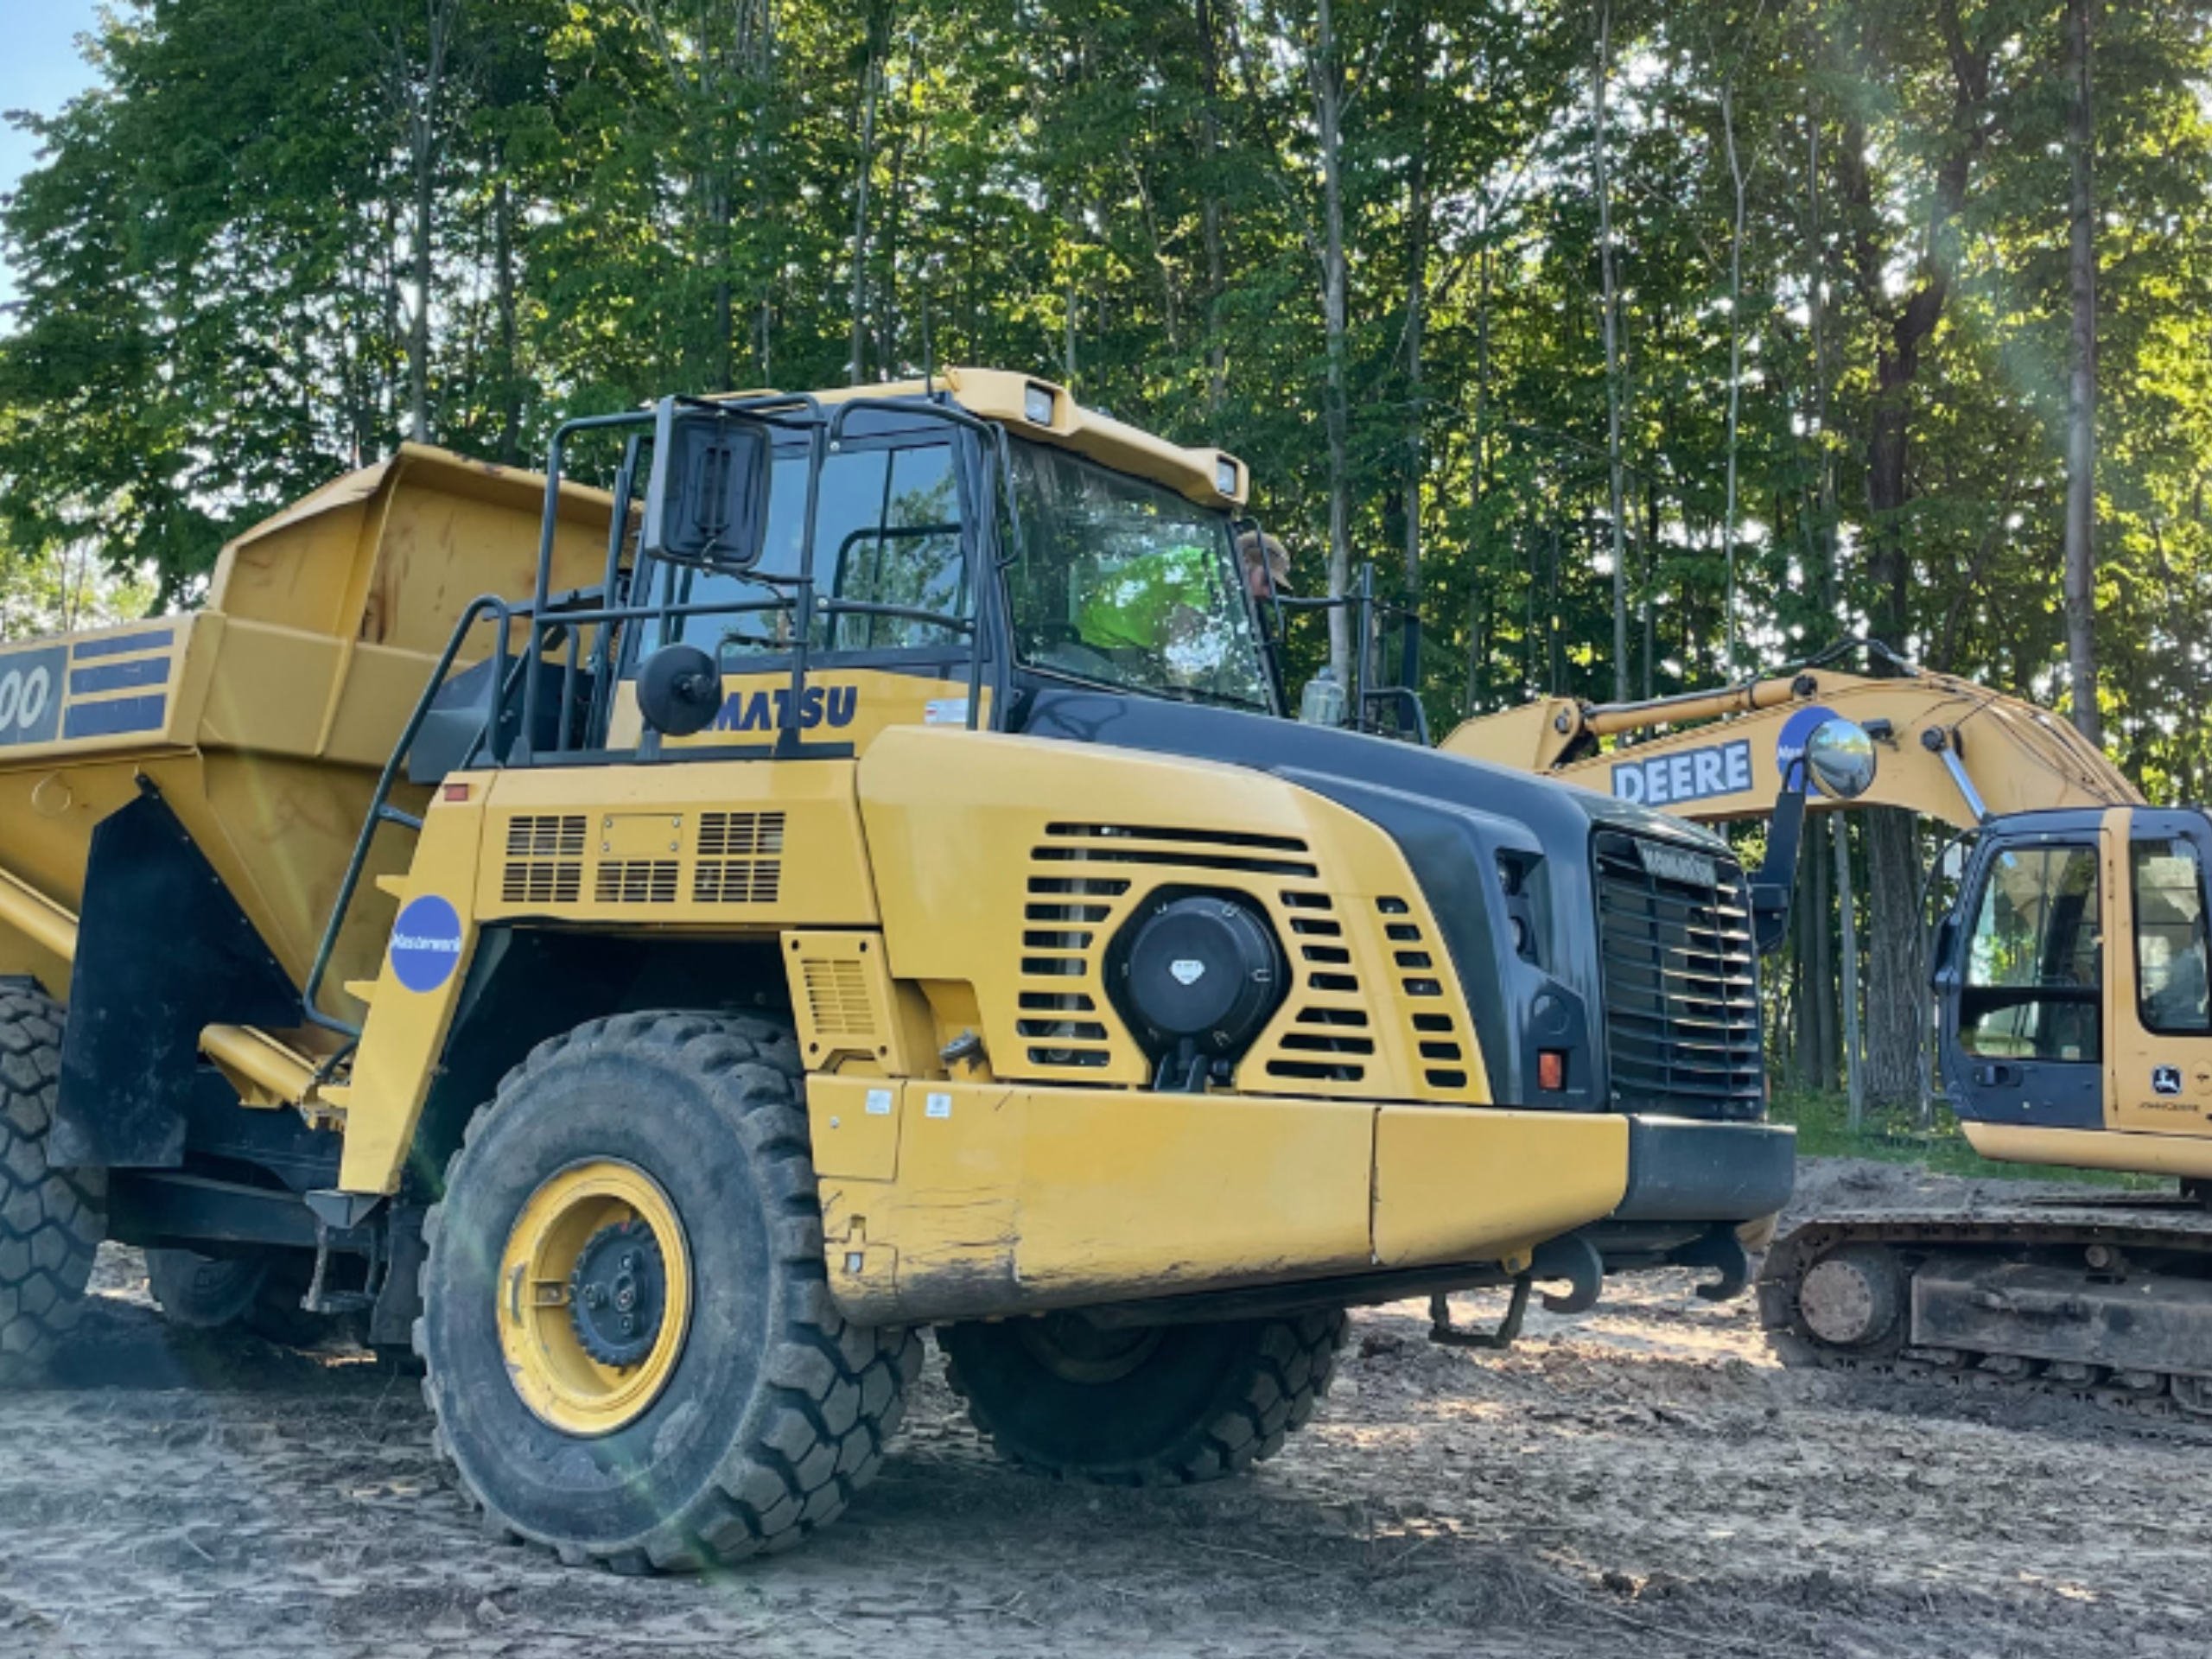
(2035, 966)
(888, 532)
(2170, 947)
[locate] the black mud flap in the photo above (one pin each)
(162, 952)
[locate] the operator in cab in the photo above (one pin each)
(1164, 603)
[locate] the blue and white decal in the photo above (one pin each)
(31, 695)
(1688, 775)
(426, 943)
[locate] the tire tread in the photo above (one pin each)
(759, 1501)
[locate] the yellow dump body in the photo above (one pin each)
(263, 718)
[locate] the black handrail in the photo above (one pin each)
(381, 811)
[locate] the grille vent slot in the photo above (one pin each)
(1194, 850)
(837, 997)
(544, 860)
(1681, 987)
(1325, 1042)
(740, 859)
(636, 881)
(1437, 1038)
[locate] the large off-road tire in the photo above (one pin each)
(1160, 1406)
(259, 1292)
(632, 1354)
(51, 1220)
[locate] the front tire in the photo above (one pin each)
(632, 1354)
(51, 1220)
(1155, 1406)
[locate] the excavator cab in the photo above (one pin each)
(2071, 980)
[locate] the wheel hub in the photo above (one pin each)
(618, 1294)
(595, 1297)
(1073, 1348)
(1853, 1297)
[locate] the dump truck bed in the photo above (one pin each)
(262, 721)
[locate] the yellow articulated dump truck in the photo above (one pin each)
(656, 950)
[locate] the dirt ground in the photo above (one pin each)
(1642, 1479)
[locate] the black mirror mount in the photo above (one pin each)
(707, 502)
(679, 690)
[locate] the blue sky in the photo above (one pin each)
(40, 70)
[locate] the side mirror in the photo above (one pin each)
(1840, 756)
(707, 501)
(679, 690)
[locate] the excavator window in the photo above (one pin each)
(2170, 947)
(2034, 968)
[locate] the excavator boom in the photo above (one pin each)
(1950, 749)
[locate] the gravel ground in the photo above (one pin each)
(1641, 1480)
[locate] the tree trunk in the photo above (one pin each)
(2081, 411)
(1417, 235)
(1735, 349)
(871, 77)
(1611, 300)
(1216, 256)
(1328, 108)
(503, 241)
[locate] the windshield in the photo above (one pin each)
(1127, 583)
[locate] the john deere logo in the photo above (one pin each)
(1186, 971)
(2165, 1079)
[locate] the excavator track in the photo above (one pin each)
(2109, 1302)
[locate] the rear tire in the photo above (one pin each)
(259, 1293)
(51, 1220)
(685, 1393)
(1163, 1405)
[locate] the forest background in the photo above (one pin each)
(1644, 345)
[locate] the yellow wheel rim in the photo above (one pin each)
(595, 1296)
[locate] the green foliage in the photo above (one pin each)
(221, 274)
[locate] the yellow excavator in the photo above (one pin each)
(2070, 977)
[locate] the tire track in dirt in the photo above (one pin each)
(1640, 1479)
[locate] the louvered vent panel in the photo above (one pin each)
(544, 860)
(1066, 915)
(1328, 1040)
(837, 998)
(636, 881)
(740, 859)
(1435, 1035)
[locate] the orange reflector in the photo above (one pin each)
(1551, 1069)
(457, 792)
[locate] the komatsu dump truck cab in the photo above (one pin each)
(658, 953)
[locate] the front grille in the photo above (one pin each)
(1681, 981)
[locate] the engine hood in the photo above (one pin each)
(1459, 823)
(1317, 756)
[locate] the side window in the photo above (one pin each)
(2171, 949)
(887, 532)
(2035, 966)
(890, 535)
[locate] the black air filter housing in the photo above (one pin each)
(1199, 975)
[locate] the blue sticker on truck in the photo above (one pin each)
(31, 695)
(1796, 731)
(426, 943)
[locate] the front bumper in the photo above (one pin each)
(961, 1200)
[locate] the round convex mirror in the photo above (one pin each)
(1840, 757)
